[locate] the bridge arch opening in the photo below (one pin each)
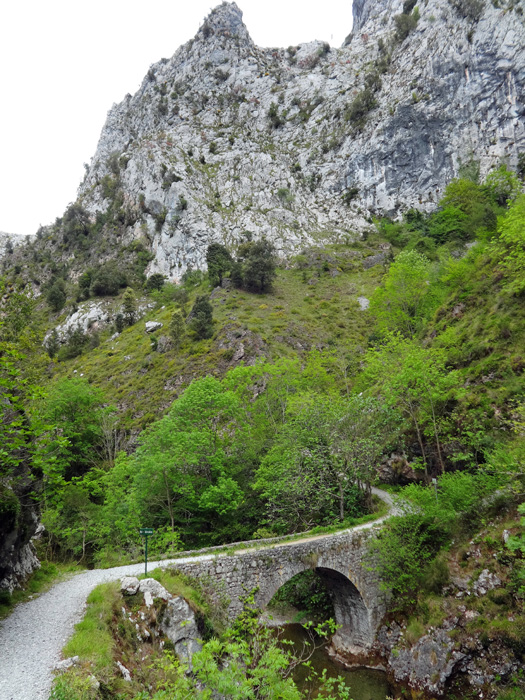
(350, 611)
(347, 608)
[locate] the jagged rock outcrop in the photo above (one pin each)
(18, 525)
(226, 137)
(174, 618)
(9, 241)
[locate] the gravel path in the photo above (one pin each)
(32, 637)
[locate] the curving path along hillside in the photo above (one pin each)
(32, 637)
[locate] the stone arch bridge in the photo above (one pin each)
(339, 559)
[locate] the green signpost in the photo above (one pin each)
(145, 532)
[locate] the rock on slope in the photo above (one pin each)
(226, 137)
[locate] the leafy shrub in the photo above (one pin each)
(502, 185)
(357, 110)
(401, 553)
(76, 341)
(405, 24)
(108, 280)
(284, 194)
(155, 281)
(53, 344)
(84, 284)
(276, 119)
(119, 323)
(56, 296)
(129, 307)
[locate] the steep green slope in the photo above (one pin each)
(313, 305)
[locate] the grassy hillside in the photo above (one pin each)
(313, 305)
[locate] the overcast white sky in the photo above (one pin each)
(63, 63)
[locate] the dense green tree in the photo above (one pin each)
(155, 281)
(72, 520)
(502, 185)
(179, 470)
(107, 280)
(416, 380)
(401, 302)
(56, 296)
(511, 246)
(129, 307)
(75, 411)
(465, 196)
(201, 317)
(119, 322)
(258, 265)
(322, 461)
(84, 284)
(76, 223)
(177, 328)
(75, 342)
(219, 262)
(53, 343)
(17, 304)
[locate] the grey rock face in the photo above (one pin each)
(18, 558)
(486, 582)
(9, 241)
(226, 137)
(180, 626)
(427, 665)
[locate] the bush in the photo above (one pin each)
(276, 119)
(76, 341)
(171, 292)
(402, 553)
(405, 24)
(357, 110)
(156, 281)
(119, 323)
(53, 343)
(129, 306)
(502, 186)
(57, 297)
(108, 280)
(84, 284)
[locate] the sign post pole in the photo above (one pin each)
(145, 532)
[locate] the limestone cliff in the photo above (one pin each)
(309, 142)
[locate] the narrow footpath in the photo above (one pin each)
(32, 637)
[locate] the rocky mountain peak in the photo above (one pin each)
(381, 11)
(308, 143)
(225, 20)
